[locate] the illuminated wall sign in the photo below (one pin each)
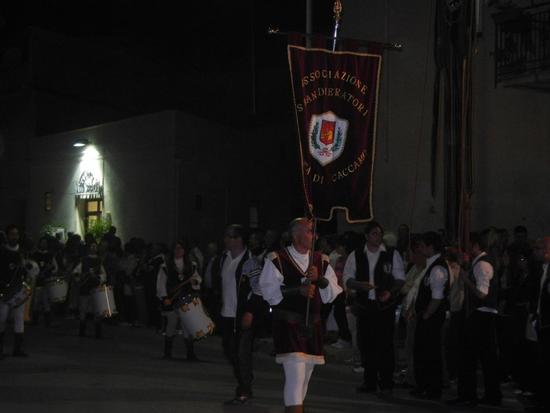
(88, 186)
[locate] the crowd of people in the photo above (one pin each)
(454, 310)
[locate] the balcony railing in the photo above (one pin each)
(522, 43)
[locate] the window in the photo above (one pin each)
(92, 210)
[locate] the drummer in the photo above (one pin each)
(177, 278)
(48, 268)
(12, 275)
(90, 275)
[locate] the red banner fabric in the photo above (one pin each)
(335, 97)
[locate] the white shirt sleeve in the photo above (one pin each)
(197, 278)
(438, 278)
(102, 275)
(483, 273)
(270, 283)
(55, 268)
(161, 283)
(350, 269)
(398, 269)
(78, 269)
(330, 292)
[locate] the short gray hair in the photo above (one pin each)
(295, 222)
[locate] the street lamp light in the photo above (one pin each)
(80, 142)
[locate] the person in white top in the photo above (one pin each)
(295, 281)
(177, 280)
(231, 274)
(377, 275)
(90, 275)
(479, 341)
(430, 306)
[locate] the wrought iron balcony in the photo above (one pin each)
(522, 47)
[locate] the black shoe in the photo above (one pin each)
(35, 318)
(192, 357)
(490, 402)
(18, 346)
(237, 401)
(430, 396)
(534, 409)
(364, 388)
(417, 392)
(385, 393)
(168, 343)
(461, 402)
(47, 320)
(190, 348)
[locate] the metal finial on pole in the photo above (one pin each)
(337, 9)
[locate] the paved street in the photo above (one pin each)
(124, 373)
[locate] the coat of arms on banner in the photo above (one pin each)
(327, 137)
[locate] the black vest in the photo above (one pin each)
(424, 295)
(242, 286)
(12, 272)
(174, 278)
(293, 276)
(491, 300)
(44, 259)
(90, 281)
(383, 277)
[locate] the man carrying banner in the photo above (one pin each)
(295, 281)
(335, 98)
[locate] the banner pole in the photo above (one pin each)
(337, 9)
(311, 264)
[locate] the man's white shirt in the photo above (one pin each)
(350, 268)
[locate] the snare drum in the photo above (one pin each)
(194, 319)
(103, 300)
(20, 297)
(57, 290)
(32, 269)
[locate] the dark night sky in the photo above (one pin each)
(184, 36)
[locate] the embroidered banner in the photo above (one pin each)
(335, 98)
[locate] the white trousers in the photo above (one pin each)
(172, 318)
(18, 317)
(297, 376)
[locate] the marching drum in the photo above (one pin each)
(20, 297)
(194, 319)
(32, 269)
(104, 301)
(57, 290)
